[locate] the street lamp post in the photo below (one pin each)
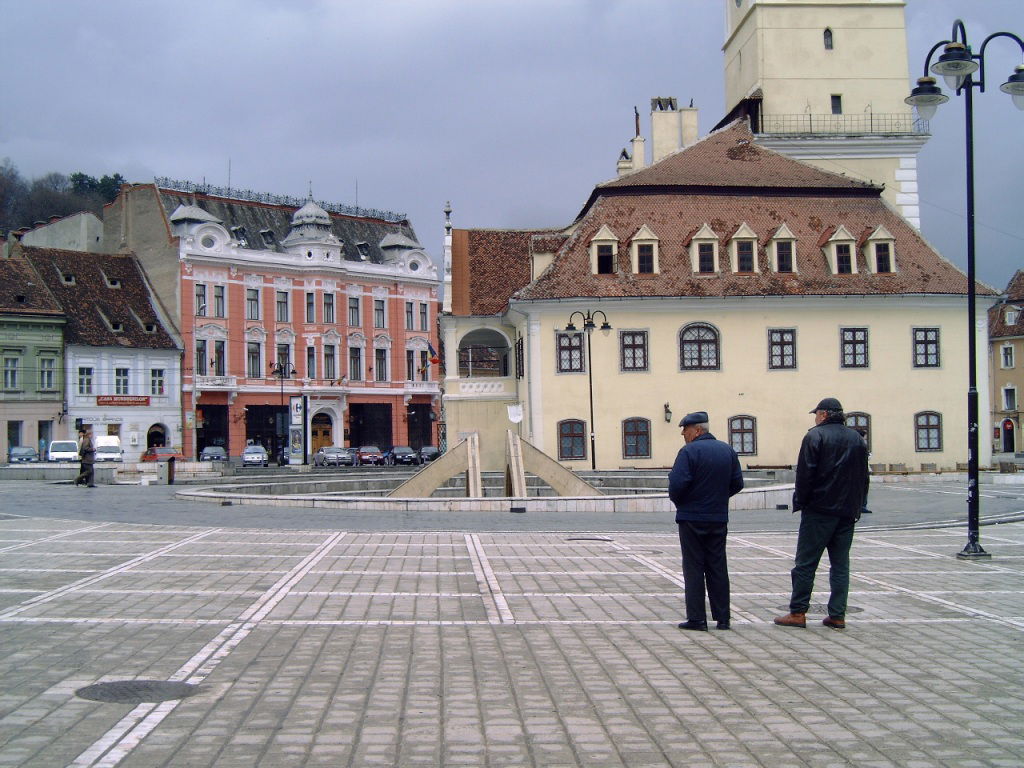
(283, 370)
(588, 326)
(957, 65)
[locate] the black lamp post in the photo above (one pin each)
(957, 65)
(283, 370)
(589, 325)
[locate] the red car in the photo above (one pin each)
(369, 454)
(160, 454)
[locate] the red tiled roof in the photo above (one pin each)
(675, 217)
(489, 265)
(1015, 288)
(731, 158)
(89, 295)
(22, 291)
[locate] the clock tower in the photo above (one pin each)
(824, 81)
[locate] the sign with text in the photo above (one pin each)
(124, 400)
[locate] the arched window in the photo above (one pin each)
(636, 439)
(862, 423)
(828, 39)
(698, 348)
(743, 435)
(928, 431)
(571, 443)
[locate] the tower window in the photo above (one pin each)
(828, 39)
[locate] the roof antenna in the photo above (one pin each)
(310, 189)
(636, 118)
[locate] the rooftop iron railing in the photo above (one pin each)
(867, 122)
(265, 197)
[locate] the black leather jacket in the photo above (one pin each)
(832, 471)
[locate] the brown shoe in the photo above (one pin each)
(834, 623)
(792, 620)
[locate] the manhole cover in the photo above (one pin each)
(136, 691)
(823, 608)
(588, 538)
(643, 552)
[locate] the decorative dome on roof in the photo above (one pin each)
(311, 213)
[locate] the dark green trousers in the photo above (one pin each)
(819, 533)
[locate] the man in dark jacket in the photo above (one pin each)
(831, 490)
(87, 456)
(705, 474)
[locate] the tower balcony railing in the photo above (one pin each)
(862, 123)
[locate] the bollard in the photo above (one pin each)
(170, 471)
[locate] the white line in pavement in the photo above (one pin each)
(117, 743)
(123, 567)
(494, 601)
(52, 538)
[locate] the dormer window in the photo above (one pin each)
(363, 249)
(149, 327)
(743, 250)
(704, 251)
(840, 252)
(782, 250)
(879, 252)
(643, 252)
(1011, 316)
(241, 236)
(116, 326)
(268, 237)
(604, 249)
(68, 278)
(113, 282)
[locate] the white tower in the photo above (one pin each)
(824, 81)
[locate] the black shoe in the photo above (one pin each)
(723, 625)
(91, 486)
(697, 626)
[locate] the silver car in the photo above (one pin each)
(255, 455)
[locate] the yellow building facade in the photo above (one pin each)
(733, 280)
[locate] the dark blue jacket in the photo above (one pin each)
(706, 473)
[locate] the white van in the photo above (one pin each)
(108, 448)
(63, 450)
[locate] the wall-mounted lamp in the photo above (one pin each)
(668, 414)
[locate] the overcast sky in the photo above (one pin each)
(513, 110)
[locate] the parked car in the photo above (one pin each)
(255, 455)
(334, 456)
(108, 448)
(160, 453)
(213, 453)
(429, 453)
(401, 454)
(369, 454)
(20, 453)
(63, 450)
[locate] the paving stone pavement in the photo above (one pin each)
(337, 648)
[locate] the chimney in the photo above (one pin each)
(666, 127)
(639, 153)
(688, 115)
(625, 164)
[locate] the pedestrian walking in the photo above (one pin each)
(831, 492)
(87, 457)
(705, 474)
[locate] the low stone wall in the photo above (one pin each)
(764, 497)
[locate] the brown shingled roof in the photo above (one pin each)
(675, 217)
(81, 284)
(1015, 288)
(731, 158)
(489, 265)
(23, 292)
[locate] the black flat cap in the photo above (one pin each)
(828, 404)
(697, 417)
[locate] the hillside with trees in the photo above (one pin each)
(24, 202)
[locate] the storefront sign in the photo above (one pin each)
(127, 400)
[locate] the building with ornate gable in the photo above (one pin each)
(735, 280)
(289, 312)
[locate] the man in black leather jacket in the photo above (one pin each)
(831, 490)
